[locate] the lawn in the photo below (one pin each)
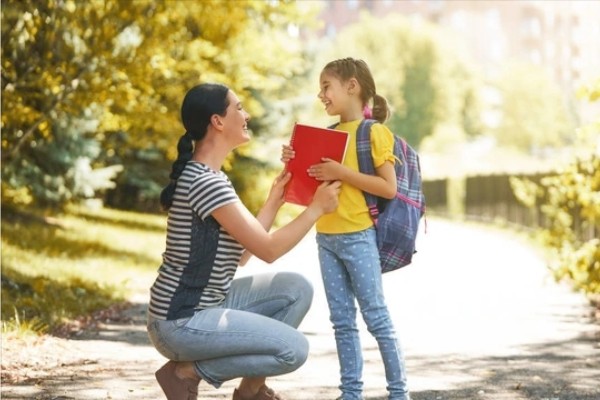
(57, 269)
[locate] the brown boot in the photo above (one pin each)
(174, 387)
(264, 393)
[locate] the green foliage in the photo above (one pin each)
(571, 202)
(41, 303)
(62, 169)
(425, 78)
(252, 181)
(125, 66)
(590, 92)
(534, 113)
(55, 270)
(576, 188)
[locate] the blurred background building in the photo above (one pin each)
(561, 36)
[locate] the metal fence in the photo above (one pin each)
(491, 199)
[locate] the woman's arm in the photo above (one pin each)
(382, 185)
(250, 233)
(268, 212)
(266, 218)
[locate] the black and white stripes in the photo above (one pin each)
(201, 258)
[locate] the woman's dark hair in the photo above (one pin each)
(200, 103)
(348, 68)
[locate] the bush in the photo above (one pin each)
(575, 256)
(570, 201)
(42, 304)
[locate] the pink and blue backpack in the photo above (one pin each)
(396, 220)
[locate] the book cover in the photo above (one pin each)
(311, 144)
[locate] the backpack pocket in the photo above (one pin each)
(397, 231)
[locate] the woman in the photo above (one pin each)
(210, 326)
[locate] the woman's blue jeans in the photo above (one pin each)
(350, 270)
(252, 334)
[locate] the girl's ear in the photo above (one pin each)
(353, 86)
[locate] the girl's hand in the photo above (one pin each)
(328, 170)
(287, 153)
(325, 199)
(277, 188)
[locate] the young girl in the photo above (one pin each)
(348, 253)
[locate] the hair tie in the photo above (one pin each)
(368, 114)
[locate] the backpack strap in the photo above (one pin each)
(365, 161)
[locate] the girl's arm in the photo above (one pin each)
(382, 185)
(250, 233)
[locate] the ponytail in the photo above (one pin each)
(199, 104)
(381, 111)
(185, 151)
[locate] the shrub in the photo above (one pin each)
(571, 202)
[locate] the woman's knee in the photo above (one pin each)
(297, 286)
(295, 356)
(306, 291)
(303, 300)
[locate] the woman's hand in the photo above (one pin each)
(328, 170)
(325, 199)
(287, 153)
(277, 188)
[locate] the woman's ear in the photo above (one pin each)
(215, 121)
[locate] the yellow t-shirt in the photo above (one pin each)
(352, 214)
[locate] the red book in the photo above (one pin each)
(311, 144)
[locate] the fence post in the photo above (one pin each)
(456, 192)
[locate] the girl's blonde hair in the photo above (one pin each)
(347, 68)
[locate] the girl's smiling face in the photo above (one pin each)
(333, 93)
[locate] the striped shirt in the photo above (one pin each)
(201, 258)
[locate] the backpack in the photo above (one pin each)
(396, 220)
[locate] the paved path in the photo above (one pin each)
(478, 315)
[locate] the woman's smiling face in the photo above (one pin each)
(236, 120)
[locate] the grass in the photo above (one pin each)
(55, 270)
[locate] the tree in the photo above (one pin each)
(571, 202)
(427, 82)
(535, 116)
(125, 65)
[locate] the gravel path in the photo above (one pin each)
(478, 315)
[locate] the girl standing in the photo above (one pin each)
(348, 254)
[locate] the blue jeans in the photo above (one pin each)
(350, 270)
(252, 334)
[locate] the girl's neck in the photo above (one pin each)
(351, 115)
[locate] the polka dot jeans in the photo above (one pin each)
(351, 273)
